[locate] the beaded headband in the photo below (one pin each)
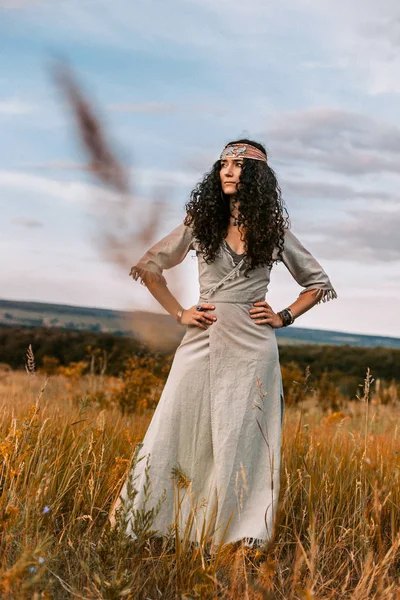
(242, 151)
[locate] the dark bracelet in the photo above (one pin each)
(287, 317)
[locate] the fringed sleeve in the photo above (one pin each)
(168, 252)
(305, 269)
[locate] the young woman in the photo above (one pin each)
(219, 417)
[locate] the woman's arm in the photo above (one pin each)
(190, 316)
(165, 254)
(262, 312)
(307, 271)
(162, 294)
(304, 302)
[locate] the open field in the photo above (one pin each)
(65, 450)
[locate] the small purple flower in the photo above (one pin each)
(41, 560)
(32, 569)
(46, 510)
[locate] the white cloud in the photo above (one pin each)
(150, 107)
(340, 140)
(15, 107)
(66, 191)
(160, 177)
(361, 36)
(149, 176)
(357, 37)
(162, 108)
(368, 237)
(27, 222)
(326, 190)
(18, 3)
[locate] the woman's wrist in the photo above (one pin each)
(287, 316)
(179, 315)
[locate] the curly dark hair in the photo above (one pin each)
(262, 215)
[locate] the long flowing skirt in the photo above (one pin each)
(216, 433)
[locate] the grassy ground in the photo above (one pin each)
(62, 461)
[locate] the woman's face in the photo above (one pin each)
(231, 169)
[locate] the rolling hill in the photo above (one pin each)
(141, 323)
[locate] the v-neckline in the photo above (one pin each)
(242, 254)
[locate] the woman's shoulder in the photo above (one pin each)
(187, 231)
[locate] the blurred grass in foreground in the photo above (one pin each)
(63, 458)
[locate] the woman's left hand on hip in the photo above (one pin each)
(262, 313)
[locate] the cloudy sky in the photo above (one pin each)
(318, 82)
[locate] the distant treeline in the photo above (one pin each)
(349, 360)
(66, 346)
(70, 346)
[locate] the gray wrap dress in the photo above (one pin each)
(219, 417)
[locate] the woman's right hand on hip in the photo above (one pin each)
(199, 318)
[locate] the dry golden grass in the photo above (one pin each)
(62, 463)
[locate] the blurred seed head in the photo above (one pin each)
(126, 227)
